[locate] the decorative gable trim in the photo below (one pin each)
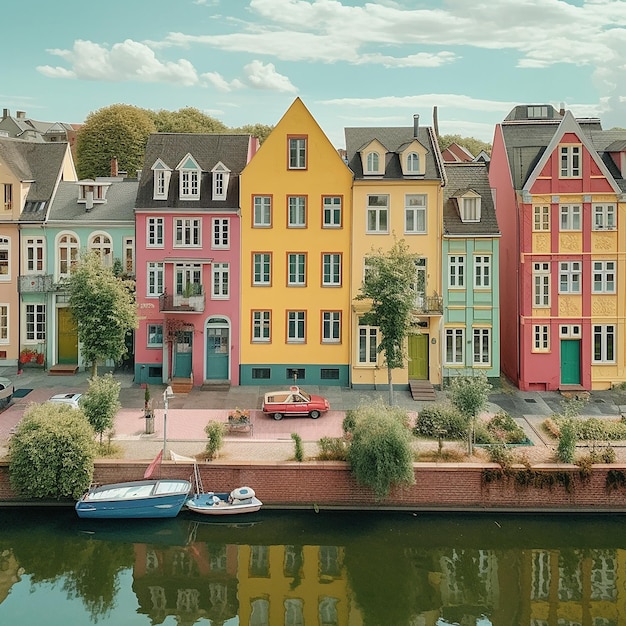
(220, 177)
(373, 158)
(161, 175)
(413, 158)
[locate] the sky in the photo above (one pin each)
(353, 63)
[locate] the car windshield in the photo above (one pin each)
(305, 395)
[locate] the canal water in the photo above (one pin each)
(313, 569)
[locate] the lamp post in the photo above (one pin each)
(167, 394)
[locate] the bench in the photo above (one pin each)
(240, 427)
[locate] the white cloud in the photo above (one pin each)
(264, 76)
(220, 83)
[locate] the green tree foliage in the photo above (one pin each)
(187, 120)
(470, 143)
(261, 131)
(389, 284)
(121, 131)
(104, 309)
(51, 455)
(215, 432)
(380, 454)
(567, 442)
(470, 395)
(101, 403)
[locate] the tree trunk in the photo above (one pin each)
(94, 369)
(390, 383)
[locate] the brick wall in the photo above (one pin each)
(330, 484)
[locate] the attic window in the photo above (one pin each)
(373, 163)
(413, 162)
(189, 179)
(470, 209)
(537, 112)
(162, 175)
(220, 177)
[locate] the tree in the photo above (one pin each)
(380, 453)
(121, 131)
(103, 307)
(187, 120)
(470, 395)
(51, 455)
(471, 143)
(101, 403)
(261, 131)
(389, 284)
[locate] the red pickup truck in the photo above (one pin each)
(294, 401)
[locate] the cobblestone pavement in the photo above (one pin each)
(187, 415)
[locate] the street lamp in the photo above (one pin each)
(167, 394)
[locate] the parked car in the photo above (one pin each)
(72, 399)
(294, 401)
(6, 391)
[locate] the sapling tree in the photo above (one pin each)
(470, 395)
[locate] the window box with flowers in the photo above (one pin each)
(29, 357)
(239, 421)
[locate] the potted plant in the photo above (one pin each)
(239, 416)
(39, 359)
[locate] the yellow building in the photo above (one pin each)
(295, 257)
(397, 194)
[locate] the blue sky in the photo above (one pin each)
(353, 63)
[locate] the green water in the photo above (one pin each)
(313, 569)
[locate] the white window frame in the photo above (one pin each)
(570, 161)
(220, 228)
(296, 326)
(570, 217)
(604, 345)
(570, 331)
(262, 211)
(604, 275)
(541, 338)
(331, 269)
(604, 217)
(482, 346)
(189, 185)
(220, 281)
(34, 255)
(470, 209)
(220, 176)
(297, 153)
(35, 322)
(67, 253)
(482, 271)
(129, 255)
(261, 326)
(541, 285)
(103, 245)
(367, 346)
(415, 213)
(456, 271)
(413, 162)
(261, 269)
(541, 218)
(187, 232)
(161, 180)
(296, 211)
(296, 269)
(153, 333)
(331, 326)
(332, 211)
(4, 323)
(5, 259)
(455, 346)
(570, 277)
(377, 213)
(155, 227)
(155, 279)
(372, 163)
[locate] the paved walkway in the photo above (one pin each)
(188, 415)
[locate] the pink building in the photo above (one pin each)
(187, 250)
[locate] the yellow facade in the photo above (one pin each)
(295, 251)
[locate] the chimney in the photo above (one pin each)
(416, 125)
(88, 199)
(114, 167)
(562, 109)
(21, 115)
(5, 113)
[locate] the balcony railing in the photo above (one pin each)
(37, 283)
(180, 303)
(429, 304)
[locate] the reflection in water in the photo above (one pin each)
(302, 569)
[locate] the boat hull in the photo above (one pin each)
(218, 504)
(141, 499)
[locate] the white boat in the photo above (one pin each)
(240, 500)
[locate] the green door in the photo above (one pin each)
(182, 355)
(418, 357)
(67, 337)
(570, 362)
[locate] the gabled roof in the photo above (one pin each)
(395, 139)
(41, 163)
(462, 177)
(456, 153)
(119, 205)
(207, 149)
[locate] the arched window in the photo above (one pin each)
(412, 162)
(101, 243)
(68, 254)
(373, 160)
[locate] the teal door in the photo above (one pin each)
(570, 362)
(217, 350)
(183, 350)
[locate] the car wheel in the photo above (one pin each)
(278, 416)
(314, 414)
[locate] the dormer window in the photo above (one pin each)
(220, 175)
(189, 186)
(373, 163)
(468, 202)
(162, 175)
(92, 192)
(413, 162)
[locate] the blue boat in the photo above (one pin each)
(139, 499)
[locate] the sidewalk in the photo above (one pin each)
(188, 414)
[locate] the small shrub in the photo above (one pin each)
(608, 455)
(483, 435)
(503, 427)
(215, 433)
(299, 449)
(567, 443)
(332, 449)
(502, 455)
(441, 416)
(349, 422)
